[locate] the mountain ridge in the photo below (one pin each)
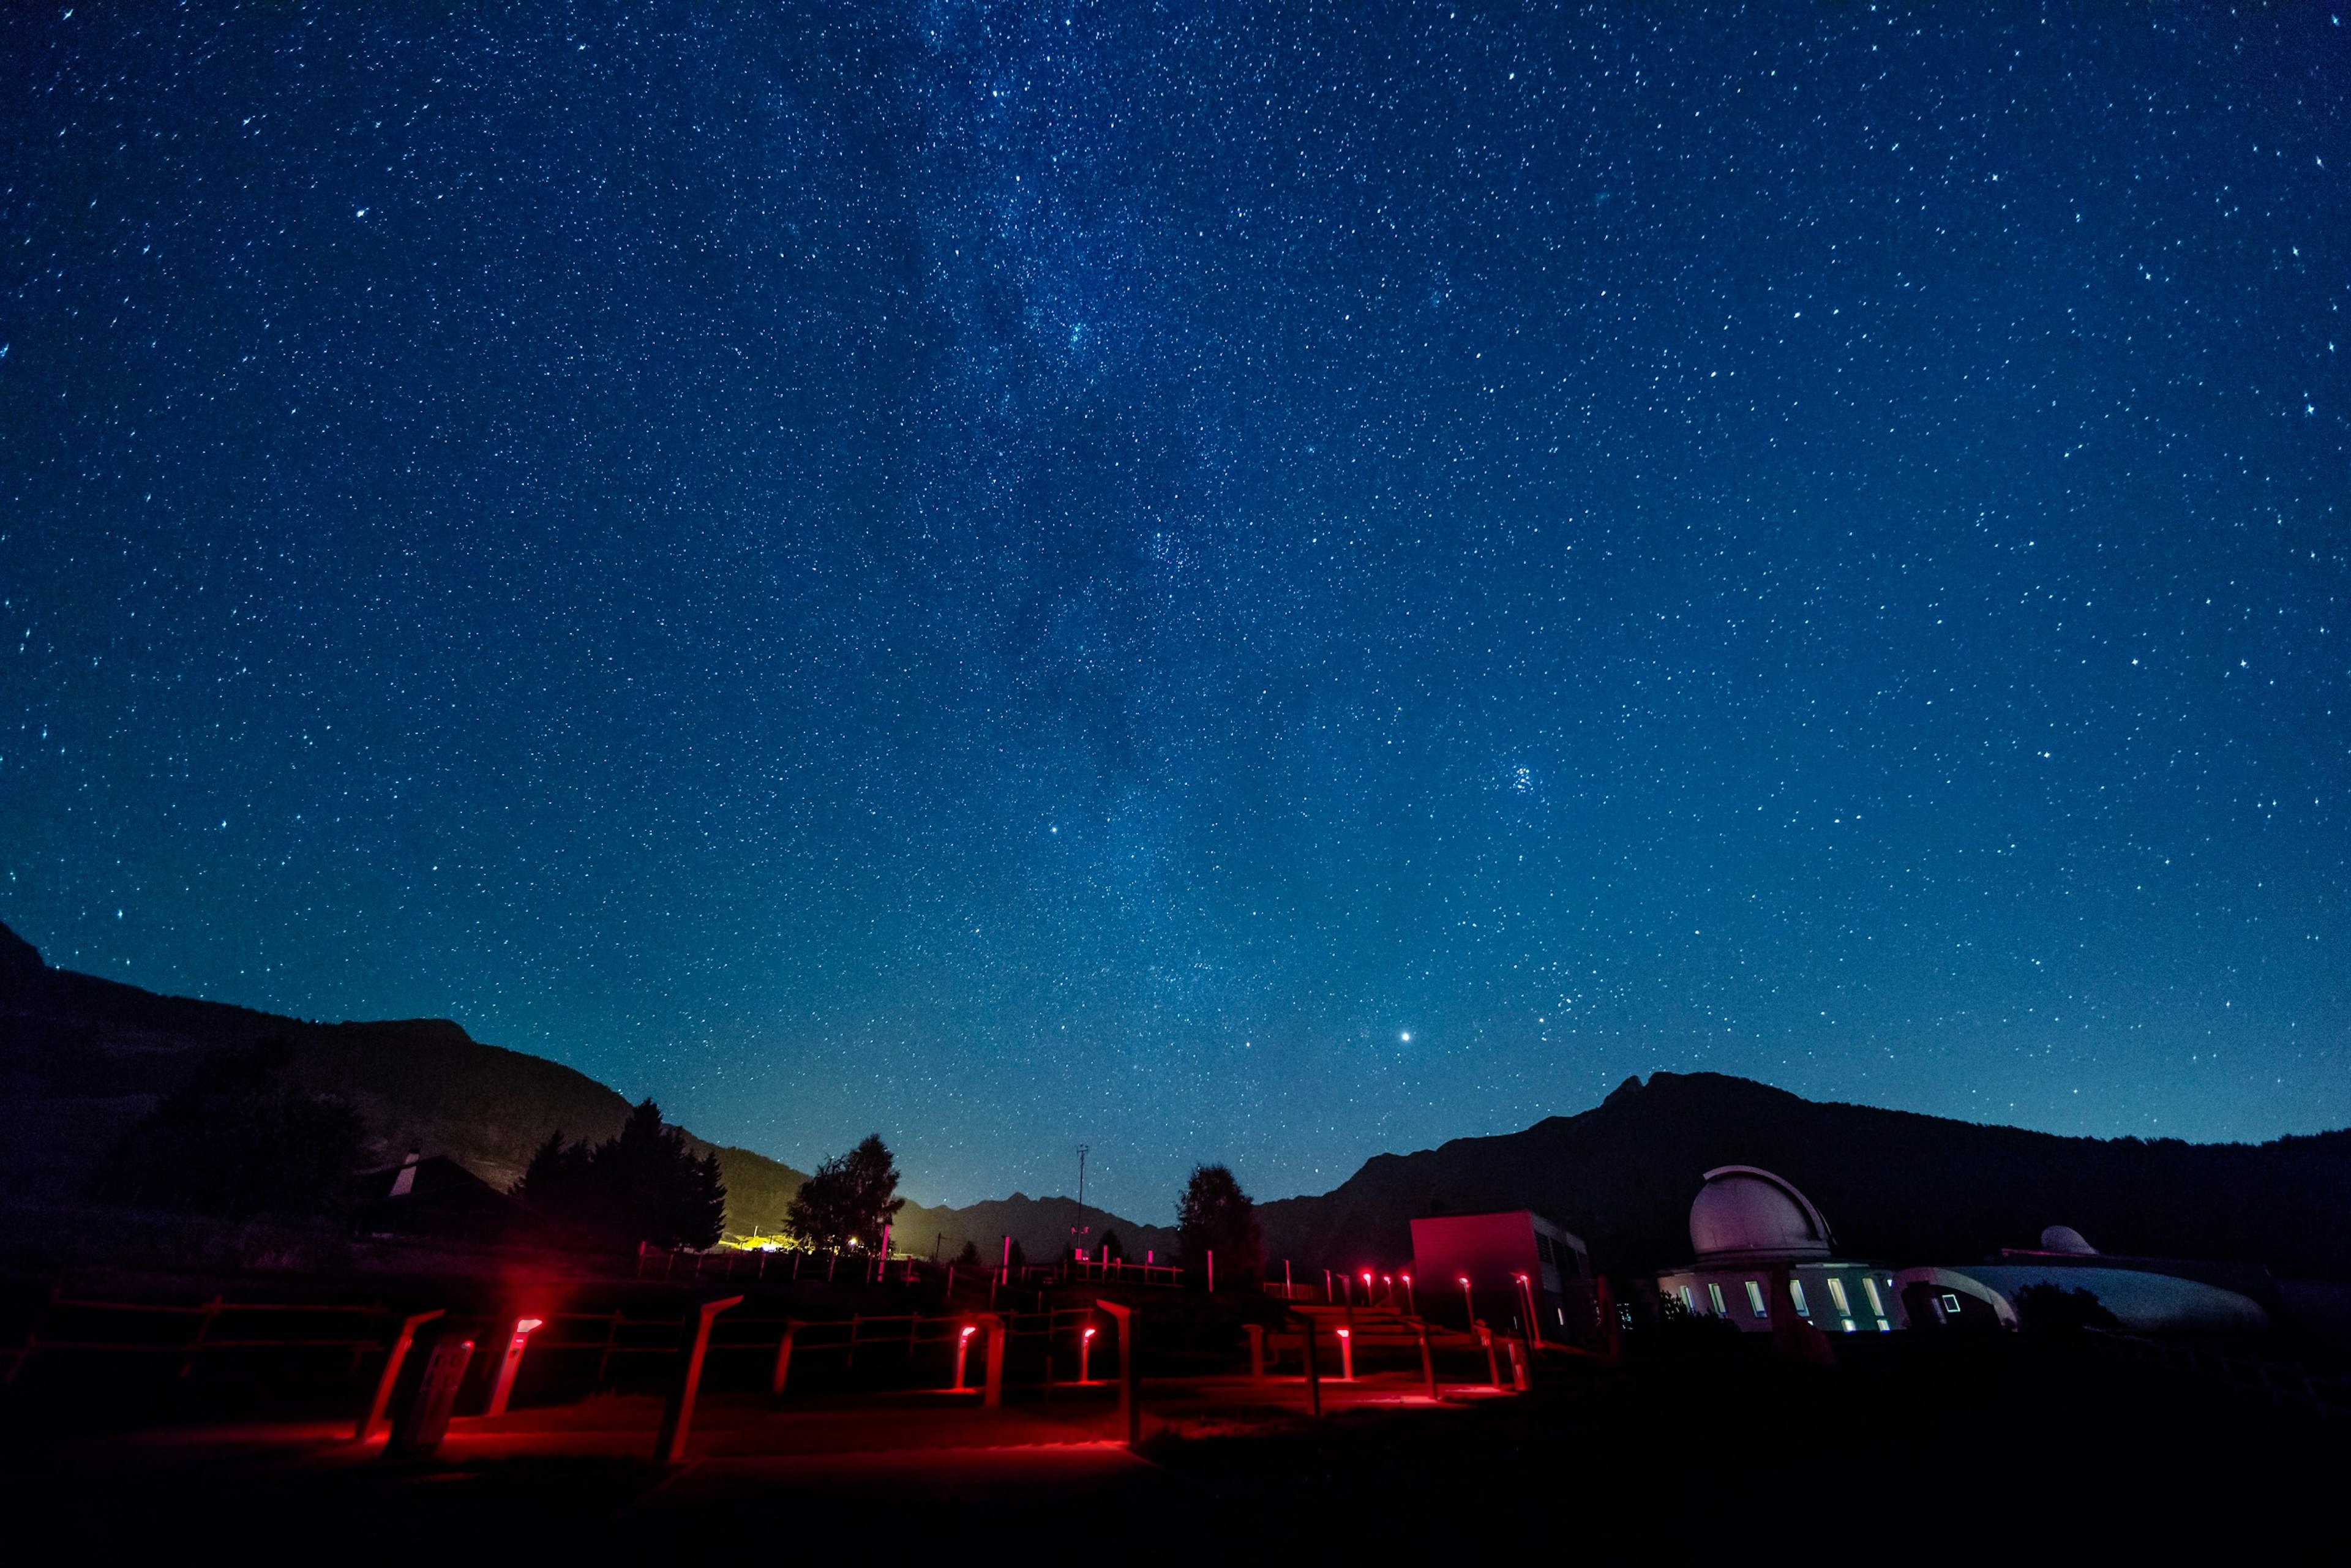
(82, 1057)
(1897, 1185)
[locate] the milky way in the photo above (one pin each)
(1260, 583)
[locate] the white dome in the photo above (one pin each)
(1745, 1214)
(2066, 1239)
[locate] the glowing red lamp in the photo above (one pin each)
(511, 1364)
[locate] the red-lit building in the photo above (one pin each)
(1498, 1267)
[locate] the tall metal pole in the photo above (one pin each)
(1082, 1228)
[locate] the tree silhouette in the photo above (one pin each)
(1112, 1249)
(1215, 1216)
(2052, 1309)
(644, 1186)
(850, 1198)
(237, 1141)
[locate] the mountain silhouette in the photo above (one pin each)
(1894, 1185)
(82, 1059)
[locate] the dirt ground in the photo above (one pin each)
(1917, 1448)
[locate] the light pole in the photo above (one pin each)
(1080, 1228)
(1468, 1307)
(1410, 1311)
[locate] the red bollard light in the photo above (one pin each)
(1086, 1356)
(963, 1349)
(503, 1389)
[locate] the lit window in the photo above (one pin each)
(1715, 1291)
(1950, 1302)
(1836, 1294)
(1875, 1305)
(1796, 1295)
(1848, 1325)
(1755, 1299)
(1689, 1303)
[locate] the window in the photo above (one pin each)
(1951, 1302)
(1755, 1299)
(1796, 1295)
(1715, 1291)
(1689, 1303)
(1836, 1294)
(1542, 1248)
(1875, 1305)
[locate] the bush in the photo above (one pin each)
(2054, 1310)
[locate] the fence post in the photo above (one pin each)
(392, 1364)
(421, 1425)
(510, 1364)
(1257, 1353)
(783, 1357)
(997, 1328)
(1493, 1369)
(1130, 1385)
(678, 1415)
(1314, 1368)
(1517, 1367)
(1428, 1362)
(203, 1333)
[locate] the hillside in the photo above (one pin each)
(82, 1058)
(1894, 1185)
(1042, 1225)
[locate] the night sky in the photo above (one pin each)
(1248, 582)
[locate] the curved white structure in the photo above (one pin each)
(1745, 1214)
(2144, 1303)
(1765, 1254)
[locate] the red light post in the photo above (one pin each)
(1410, 1309)
(1085, 1355)
(1346, 1355)
(503, 1388)
(963, 1350)
(1468, 1307)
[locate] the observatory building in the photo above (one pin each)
(2144, 1295)
(1761, 1243)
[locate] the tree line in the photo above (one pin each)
(239, 1141)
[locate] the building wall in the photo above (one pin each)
(1743, 1296)
(1492, 1251)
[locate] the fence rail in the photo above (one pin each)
(63, 1324)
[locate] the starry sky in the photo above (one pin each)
(1261, 583)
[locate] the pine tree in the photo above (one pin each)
(643, 1186)
(1215, 1216)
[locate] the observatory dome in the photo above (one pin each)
(2066, 1239)
(1743, 1214)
